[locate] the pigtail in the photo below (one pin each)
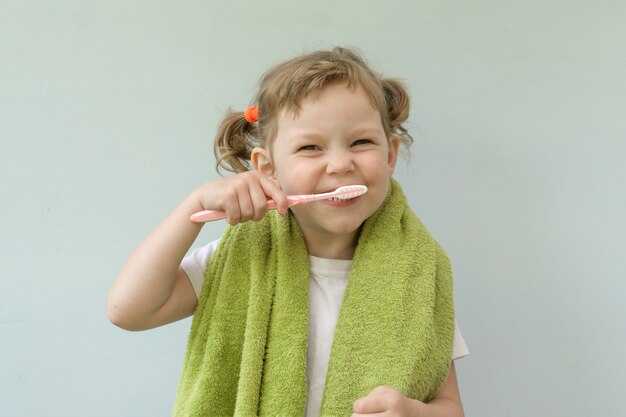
(398, 105)
(234, 141)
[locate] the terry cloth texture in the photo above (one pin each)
(246, 353)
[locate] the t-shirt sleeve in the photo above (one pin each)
(459, 349)
(195, 264)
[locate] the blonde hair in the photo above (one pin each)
(286, 84)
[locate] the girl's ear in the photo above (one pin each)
(392, 158)
(261, 162)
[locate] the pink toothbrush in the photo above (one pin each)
(342, 193)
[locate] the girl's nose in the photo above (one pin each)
(339, 162)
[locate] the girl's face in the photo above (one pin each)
(337, 139)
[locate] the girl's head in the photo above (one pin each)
(283, 88)
(325, 120)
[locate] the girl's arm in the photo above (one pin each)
(151, 288)
(447, 402)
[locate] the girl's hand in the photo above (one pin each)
(242, 196)
(385, 401)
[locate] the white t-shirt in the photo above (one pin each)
(327, 284)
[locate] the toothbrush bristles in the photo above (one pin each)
(349, 191)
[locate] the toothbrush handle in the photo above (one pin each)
(207, 216)
(212, 215)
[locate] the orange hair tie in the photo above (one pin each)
(251, 114)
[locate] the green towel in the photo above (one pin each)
(246, 353)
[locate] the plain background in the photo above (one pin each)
(107, 114)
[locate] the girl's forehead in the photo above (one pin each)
(338, 96)
(331, 119)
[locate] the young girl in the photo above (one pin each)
(327, 308)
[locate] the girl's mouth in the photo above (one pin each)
(340, 202)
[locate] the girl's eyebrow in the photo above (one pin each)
(369, 130)
(361, 130)
(308, 135)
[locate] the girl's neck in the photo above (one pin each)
(331, 246)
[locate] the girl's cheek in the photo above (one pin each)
(302, 178)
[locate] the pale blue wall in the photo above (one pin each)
(107, 111)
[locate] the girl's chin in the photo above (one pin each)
(337, 228)
(333, 222)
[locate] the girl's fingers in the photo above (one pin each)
(274, 192)
(230, 205)
(246, 206)
(250, 197)
(243, 196)
(371, 404)
(259, 201)
(378, 400)
(237, 203)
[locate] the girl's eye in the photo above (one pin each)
(309, 148)
(361, 142)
